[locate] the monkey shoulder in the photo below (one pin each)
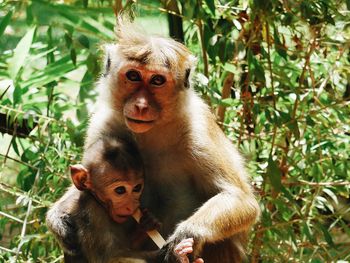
(210, 151)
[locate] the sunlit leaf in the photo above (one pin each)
(211, 5)
(278, 44)
(230, 68)
(20, 53)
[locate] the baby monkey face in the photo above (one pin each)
(118, 191)
(121, 198)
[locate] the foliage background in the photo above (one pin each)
(275, 72)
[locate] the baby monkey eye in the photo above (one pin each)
(158, 80)
(137, 188)
(133, 75)
(120, 190)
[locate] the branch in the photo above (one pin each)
(14, 128)
(226, 91)
(204, 52)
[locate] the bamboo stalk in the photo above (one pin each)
(153, 234)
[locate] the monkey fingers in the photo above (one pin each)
(184, 247)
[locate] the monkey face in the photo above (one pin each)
(144, 92)
(121, 198)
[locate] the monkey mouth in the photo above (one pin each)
(140, 121)
(139, 126)
(120, 218)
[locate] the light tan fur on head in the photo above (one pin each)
(134, 44)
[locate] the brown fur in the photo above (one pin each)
(196, 182)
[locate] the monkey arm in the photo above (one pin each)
(230, 212)
(231, 208)
(61, 223)
(227, 213)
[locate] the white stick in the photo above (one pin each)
(153, 234)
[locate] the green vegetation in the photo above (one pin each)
(276, 73)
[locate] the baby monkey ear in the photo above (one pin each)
(80, 177)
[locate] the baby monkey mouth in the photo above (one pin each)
(123, 216)
(120, 218)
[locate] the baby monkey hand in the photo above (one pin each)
(183, 248)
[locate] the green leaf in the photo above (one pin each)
(84, 41)
(275, 174)
(317, 172)
(17, 95)
(51, 72)
(30, 121)
(294, 127)
(73, 56)
(4, 22)
(255, 68)
(29, 15)
(307, 231)
(20, 53)
(310, 121)
(348, 4)
(326, 234)
(211, 5)
(227, 102)
(278, 44)
(230, 68)
(68, 39)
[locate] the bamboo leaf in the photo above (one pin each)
(326, 234)
(20, 53)
(84, 41)
(4, 22)
(278, 44)
(211, 5)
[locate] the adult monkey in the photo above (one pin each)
(196, 183)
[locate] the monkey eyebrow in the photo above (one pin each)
(144, 61)
(117, 180)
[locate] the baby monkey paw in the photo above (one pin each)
(184, 248)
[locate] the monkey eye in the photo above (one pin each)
(137, 188)
(133, 75)
(120, 190)
(158, 80)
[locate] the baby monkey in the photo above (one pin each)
(101, 229)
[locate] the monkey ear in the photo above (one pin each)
(187, 78)
(109, 53)
(80, 177)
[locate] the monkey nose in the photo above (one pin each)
(141, 107)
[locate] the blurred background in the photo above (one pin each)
(276, 73)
